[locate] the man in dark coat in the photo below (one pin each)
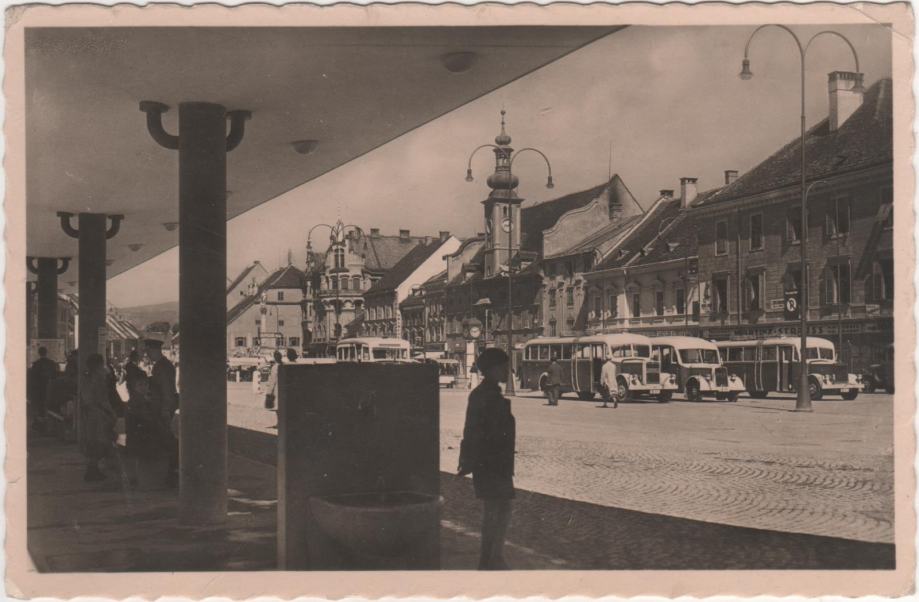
(487, 451)
(165, 400)
(554, 381)
(41, 374)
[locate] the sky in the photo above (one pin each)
(652, 104)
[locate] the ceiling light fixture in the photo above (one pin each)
(305, 147)
(136, 246)
(458, 62)
(170, 226)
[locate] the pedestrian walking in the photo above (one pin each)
(41, 374)
(271, 386)
(292, 355)
(553, 381)
(139, 420)
(487, 452)
(609, 389)
(164, 401)
(97, 418)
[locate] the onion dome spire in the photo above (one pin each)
(502, 139)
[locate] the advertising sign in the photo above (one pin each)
(792, 309)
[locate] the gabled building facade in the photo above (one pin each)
(269, 318)
(750, 233)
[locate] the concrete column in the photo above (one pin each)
(91, 233)
(47, 269)
(203, 311)
(202, 144)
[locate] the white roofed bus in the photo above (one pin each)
(697, 367)
(582, 358)
(373, 349)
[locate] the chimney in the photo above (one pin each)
(846, 94)
(428, 240)
(667, 193)
(374, 233)
(404, 234)
(687, 191)
(729, 176)
(444, 234)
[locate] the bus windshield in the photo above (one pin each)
(699, 356)
(641, 351)
(387, 353)
(823, 353)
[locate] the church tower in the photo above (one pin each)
(502, 209)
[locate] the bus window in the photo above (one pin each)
(618, 352)
(785, 351)
(667, 357)
(543, 352)
(642, 351)
(823, 353)
(555, 351)
(599, 351)
(582, 351)
(566, 351)
(365, 353)
(655, 354)
(749, 354)
(769, 354)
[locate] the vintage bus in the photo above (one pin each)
(373, 349)
(774, 365)
(582, 358)
(697, 367)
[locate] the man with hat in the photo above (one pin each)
(165, 400)
(487, 451)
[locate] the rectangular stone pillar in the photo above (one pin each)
(92, 236)
(202, 312)
(47, 297)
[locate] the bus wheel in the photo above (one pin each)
(585, 395)
(693, 393)
(870, 385)
(543, 378)
(816, 391)
(850, 395)
(665, 396)
(623, 392)
(732, 396)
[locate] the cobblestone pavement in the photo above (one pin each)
(753, 463)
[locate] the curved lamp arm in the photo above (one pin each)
(65, 263)
(237, 127)
(829, 32)
(114, 227)
(69, 230)
(154, 111)
(549, 182)
(471, 155)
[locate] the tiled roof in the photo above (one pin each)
(677, 241)
(404, 268)
(382, 253)
(412, 301)
(642, 235)
(537, 218)
(610, 231)
(241, 277)
(865, 139)
(286, 277)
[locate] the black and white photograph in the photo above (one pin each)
(515, 296)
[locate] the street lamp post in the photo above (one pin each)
(504, 185)
(803, 401)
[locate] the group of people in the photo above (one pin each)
(609, 387)
(148, 414)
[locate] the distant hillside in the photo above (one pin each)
(141, 315)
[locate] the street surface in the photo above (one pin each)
(753, 463)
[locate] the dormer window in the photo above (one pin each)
(339, 257)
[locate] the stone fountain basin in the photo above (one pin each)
(377, 524)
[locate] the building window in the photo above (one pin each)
(636, 305)
(280, 295)
(388, 310)
(598, 306)
(240, 341)
(793, 225)
(552, 298)
(280, 323)
(569, 297)
(611, 306)
(339, 257)
(837, 284)
(334, 281)
(881, 280)
(280, 341)
(344, 283)
(294, 341)
(258, 322)
(256, 341)
(680, 301)
(356, 283)
(659, 303)
(837, 218)
(753, 289)
(721, 238)
(720, 295)
(756, 232)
